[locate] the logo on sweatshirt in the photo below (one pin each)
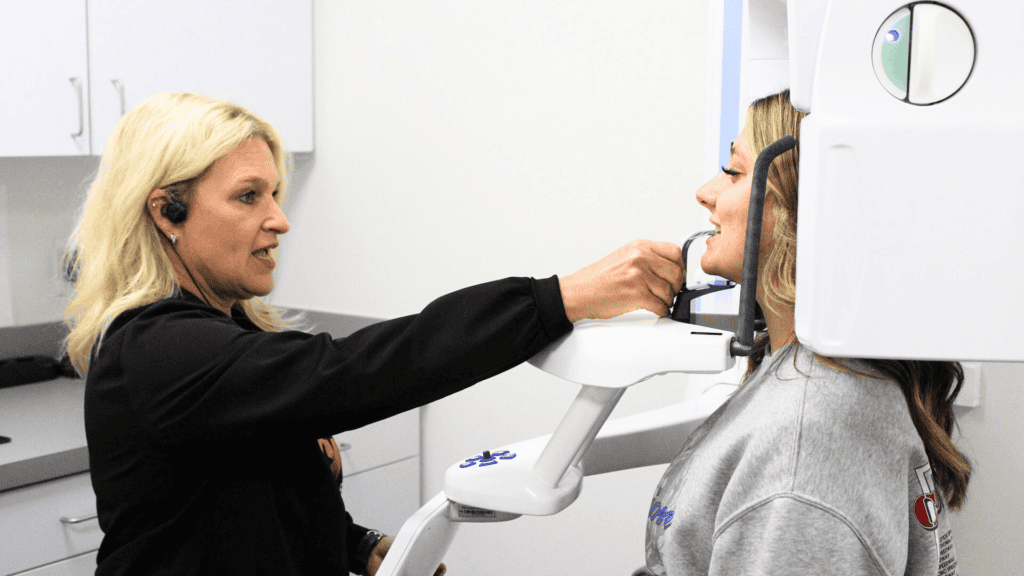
(928, 505)
(661, 515)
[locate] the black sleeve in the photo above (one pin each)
(352, 537)
(194, 375)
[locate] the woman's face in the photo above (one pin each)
(727, 196)
(232, 223)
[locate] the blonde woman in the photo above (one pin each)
(208, 421)
(815, 465)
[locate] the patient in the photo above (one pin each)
(816, 465)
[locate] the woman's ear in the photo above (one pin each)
(154, 205)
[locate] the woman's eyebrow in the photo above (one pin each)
(256, 181)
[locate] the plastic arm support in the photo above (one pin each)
(646, 439)
(574, 434)
(422, 542)
(653, 437)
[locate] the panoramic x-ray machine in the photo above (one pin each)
(905, 204)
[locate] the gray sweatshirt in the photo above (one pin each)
(805, 470)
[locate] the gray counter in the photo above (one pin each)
(45, 422)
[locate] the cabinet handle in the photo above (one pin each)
(66, 520)
(119, 86)
(343, 446)
(81, 107)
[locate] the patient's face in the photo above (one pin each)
(727, 195)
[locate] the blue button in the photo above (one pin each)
(509, 457)
(467, 465)
(488, 463)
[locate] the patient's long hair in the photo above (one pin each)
(929, 387)
(115, 252)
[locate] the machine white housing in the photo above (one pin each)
(634, 347)
(898, 201)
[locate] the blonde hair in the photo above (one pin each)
(769, 119)
(929, 387)
(115, 250)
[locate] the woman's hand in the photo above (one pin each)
(641, 274)
(381, 550)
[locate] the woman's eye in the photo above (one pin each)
(248, 197)
(730, 172)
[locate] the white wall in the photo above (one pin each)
(987, 531)
(460, 142)
(42, 197)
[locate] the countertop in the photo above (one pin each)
(46, 424)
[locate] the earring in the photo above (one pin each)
(174, 239)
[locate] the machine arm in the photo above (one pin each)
(646, 439)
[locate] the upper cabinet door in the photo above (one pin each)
(44, 102)
(257, 54)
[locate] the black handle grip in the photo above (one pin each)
(744, 343)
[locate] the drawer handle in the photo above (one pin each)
(66, 520)
(119, 86)
(81, 107)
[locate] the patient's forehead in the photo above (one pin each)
(739, 150)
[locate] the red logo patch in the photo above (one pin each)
(927, 510)
(928, 506)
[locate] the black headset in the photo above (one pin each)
(176, 212)
(174, 209)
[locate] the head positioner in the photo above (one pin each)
(743, 345)
(899, 203)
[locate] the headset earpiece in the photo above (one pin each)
(174, 209)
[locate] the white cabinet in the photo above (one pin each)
(384, 498)
(44, 103)
(381, 467)
(84, 565)
(49, 522)
(259, 55)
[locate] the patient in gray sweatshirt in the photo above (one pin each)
(815, 465)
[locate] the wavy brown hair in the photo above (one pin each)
(929, 387)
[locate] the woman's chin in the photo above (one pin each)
(259, 289)
(712, 267)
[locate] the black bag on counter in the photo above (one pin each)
(29, 369)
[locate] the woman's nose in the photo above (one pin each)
(707, 194)
(277, 222)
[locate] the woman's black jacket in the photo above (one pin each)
(202, 428)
